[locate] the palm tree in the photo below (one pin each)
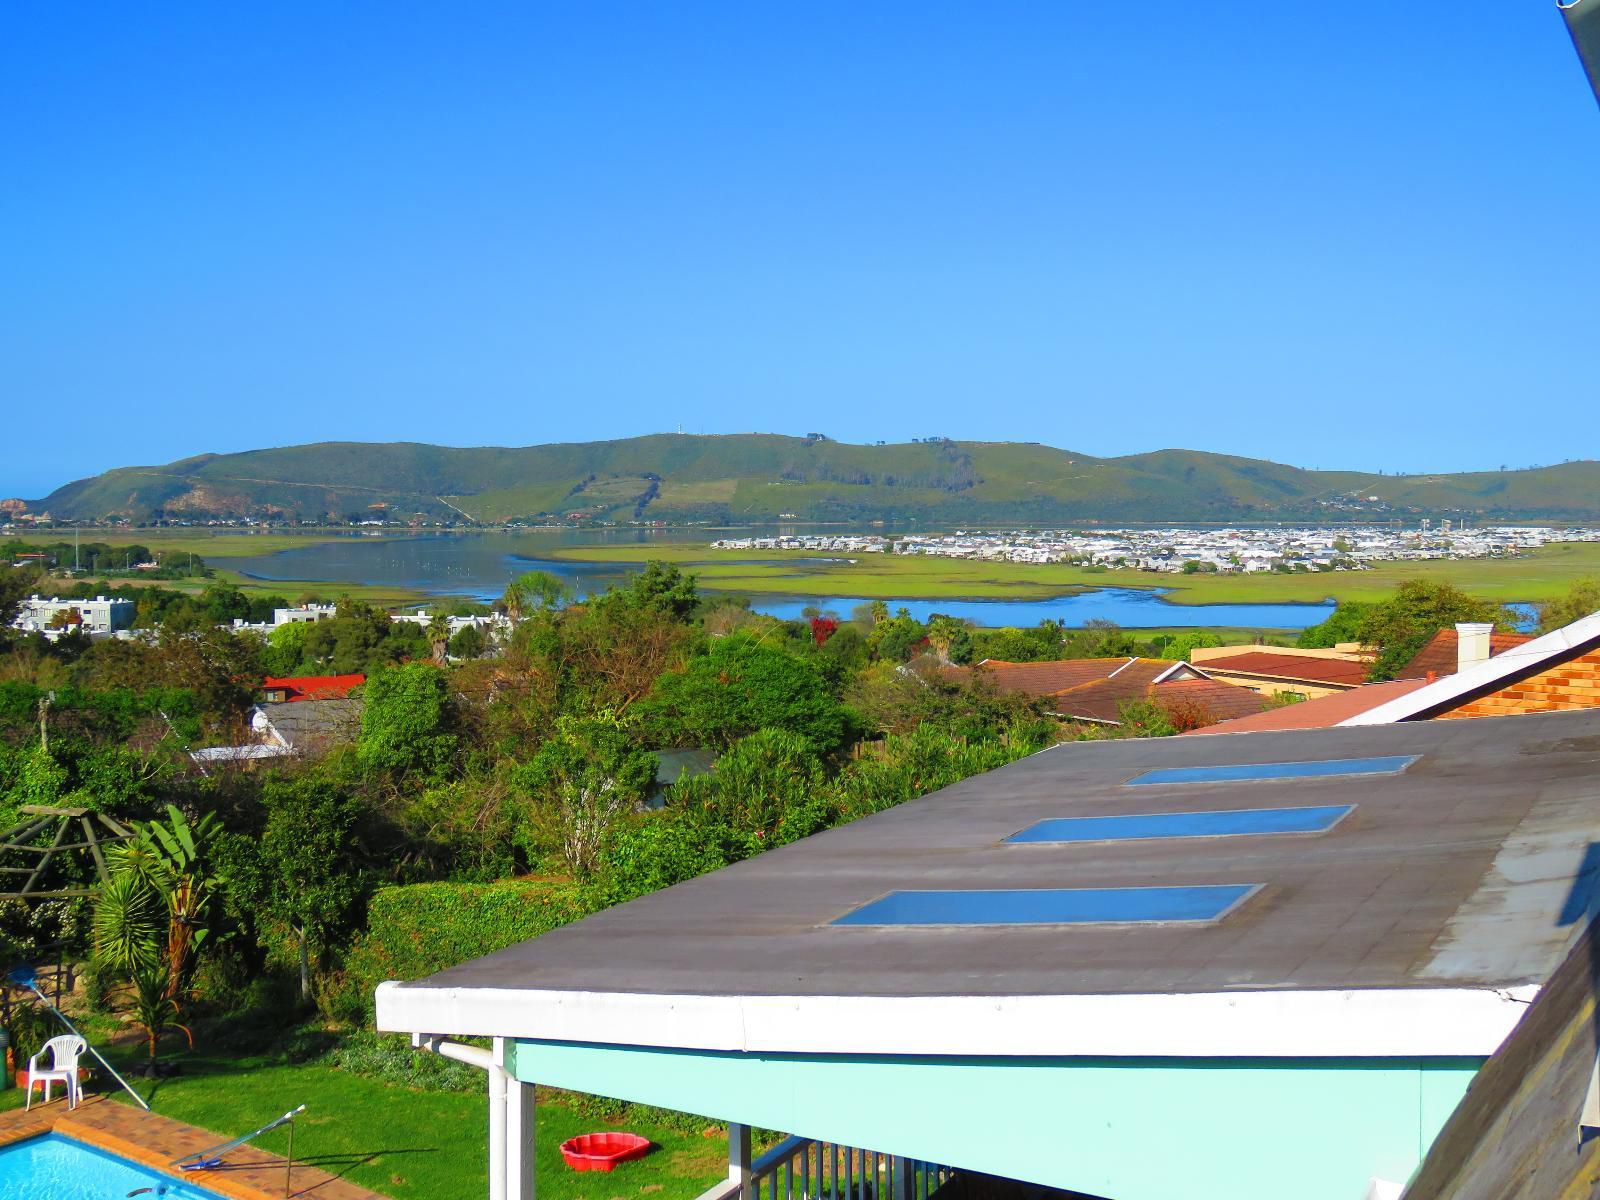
(439, 637)
(942, 631)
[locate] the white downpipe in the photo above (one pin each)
(497, 1123)
(487, 1061)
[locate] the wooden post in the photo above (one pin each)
(94, 849)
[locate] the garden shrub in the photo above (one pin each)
(389, 1057)
(421, 928)
(30, 1027)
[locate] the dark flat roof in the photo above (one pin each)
(1458, 872)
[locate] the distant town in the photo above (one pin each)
(1239, 550)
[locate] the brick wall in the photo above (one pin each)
(1568, 685)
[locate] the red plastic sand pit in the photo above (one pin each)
(602, 1151)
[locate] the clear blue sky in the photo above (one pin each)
(1338, 235)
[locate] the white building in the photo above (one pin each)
(304, 614)
(100, 617)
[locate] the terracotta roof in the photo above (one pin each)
(1193, 701)
(1044, 678)
(1439, 656)
(1221, 701)
(1322, 713)
(1324, 672)
(313, 687)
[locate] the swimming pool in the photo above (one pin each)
(54, 1167)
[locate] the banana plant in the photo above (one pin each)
(157, 878)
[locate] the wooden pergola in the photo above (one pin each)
(37, 818)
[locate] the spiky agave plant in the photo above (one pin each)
(130, 912)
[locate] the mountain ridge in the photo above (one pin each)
(757, 477)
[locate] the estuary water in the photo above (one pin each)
(481, 564)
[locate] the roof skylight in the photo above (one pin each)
(1136, 827)
(1196, 904)
(1259, 772)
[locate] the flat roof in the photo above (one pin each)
(1419, 923)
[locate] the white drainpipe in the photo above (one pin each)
(511, 1174)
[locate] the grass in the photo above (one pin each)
(410, 1143)
(378, 595)
(207, 543)
(1539, 575)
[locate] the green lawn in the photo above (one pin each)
(407, 1143)
(1539, 575)
(207, 543)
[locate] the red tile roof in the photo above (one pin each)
(1322, 713)
(1323, 672)
(1040, 678)
(1208, 698)
(313, 687)
(1439, 656)
(1190, 702)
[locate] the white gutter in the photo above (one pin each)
(1355, 1023)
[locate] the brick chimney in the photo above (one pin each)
(1472, 644)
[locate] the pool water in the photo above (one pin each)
(53, 1167)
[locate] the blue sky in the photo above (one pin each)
(1336, 235)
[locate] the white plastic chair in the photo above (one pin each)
(63, 1052)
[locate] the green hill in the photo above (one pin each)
(762, 477)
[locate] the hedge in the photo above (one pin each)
(421, 928)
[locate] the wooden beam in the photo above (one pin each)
(94, 848)
(61, 832)
(51, 810)
(23, 832)
(116, 827)
(49, 849)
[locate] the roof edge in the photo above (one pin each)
(1358, 1023)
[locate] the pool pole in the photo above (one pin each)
(60, 1016)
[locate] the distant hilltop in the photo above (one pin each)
(741, 478)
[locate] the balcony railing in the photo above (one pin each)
(803, 1169)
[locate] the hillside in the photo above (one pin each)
(761, 477)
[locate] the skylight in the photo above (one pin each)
(1149, 826)
(1252, 772)
(1196, 904)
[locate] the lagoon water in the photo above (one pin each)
(481, 564)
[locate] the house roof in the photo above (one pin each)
(1102, 700)
(1410, 927)
(1323, 712)
(248, 753)
(1514, 663)
(1294, 668)
(313, 687)
(1221, 701)
(1049, 678)
(308, 724)
(1440, 655)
